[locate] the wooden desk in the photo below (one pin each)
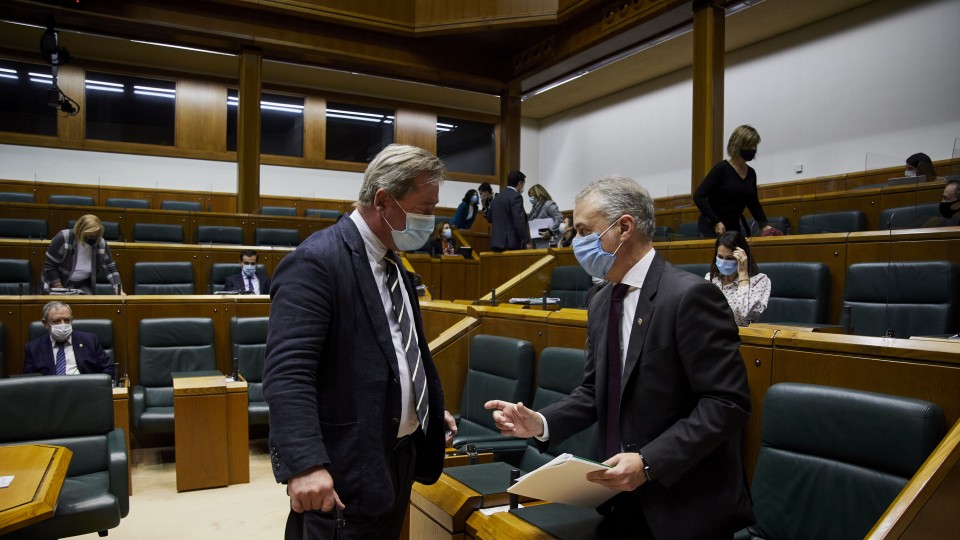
(506, 526)
(121, 420)
(441, 510)
(39, 472)
(822, 328)
(238, 433)
(200, 432)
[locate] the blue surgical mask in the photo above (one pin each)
(249, 270)
(533, 200)
(474, 199)
(590, 253)
(727, 268)
(447, 233)
(418, 229)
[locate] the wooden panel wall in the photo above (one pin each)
(201, 117)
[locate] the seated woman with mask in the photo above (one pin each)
(737, 275)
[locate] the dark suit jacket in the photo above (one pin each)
(90, 356)
(237, 282)
(683, 405)
(509, 222)
(331, 375)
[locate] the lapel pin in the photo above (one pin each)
(80, 345)
(640, 321)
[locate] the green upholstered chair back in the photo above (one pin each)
(23, 228)
(163, 278)
(103, 328)
(699, 269)
(266, 236)
(173, 345)
(560, 372)
(73, 200)
(831, 222)
(111, 230)
(322, 213)
(833, 459)
(278, 211)
(780, 222)
(910, 298)
(499, 368)
(688, 230)
(249, 337)
(9, 196)
(798, 292)
(127, 203)
(187, 206)
(219, 272)
(662, 233)
(908, 217)
(570, 285)
(212, 234)
(15, 276)
(158, 232)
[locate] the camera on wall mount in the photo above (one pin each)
(56, 56)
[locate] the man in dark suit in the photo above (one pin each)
(64, 351)
(356, 407)
(250, 279)
(508, 219)
(664, 379)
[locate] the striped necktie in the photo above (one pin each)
(250, 284)
(407, 332)
(61, 359)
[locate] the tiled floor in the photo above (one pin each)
(255, 510)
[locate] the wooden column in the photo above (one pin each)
(509, 132)
(708, 65)
(248, 133)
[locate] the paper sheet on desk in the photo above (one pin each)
(5, 481)
(563, 480)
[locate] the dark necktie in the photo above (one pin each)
(250, 284)
(614, 369)
(411, 348)
(61, 359)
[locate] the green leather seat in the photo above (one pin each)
(76, 412)
(103, 328)
(277, 237)
(499, 368)
(35, 229)
(163, 278)
(832, 222)
(798, 292)
(322, 213)
(910, 298)
(560, 372)
(158, 232)
(908, 217)
(687, 231)
(168, 346)
(111, 230)
(698, 269)
(570, 285)
(127, 203)
(212, 234)
(249, 335)
(186, 206)
(15, 276)
(10, 196)
(663, 233)
(72, 200)
(778, 222)
(833, 459)
(278, 211)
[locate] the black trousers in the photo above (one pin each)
(316, 525)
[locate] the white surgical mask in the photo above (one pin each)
(61, 332)
(249, 270)
(910, 172)
(417, 231)
(447, 233)
(563, 227)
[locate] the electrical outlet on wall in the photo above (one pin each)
(798, 168)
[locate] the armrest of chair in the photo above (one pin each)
(138, 399)
(118, 466)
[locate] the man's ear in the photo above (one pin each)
(627, 225)
(380, 199)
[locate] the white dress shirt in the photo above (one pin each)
(375, 253)
(68, 352)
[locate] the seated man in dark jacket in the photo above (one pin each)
(249, 279)
(64, 351)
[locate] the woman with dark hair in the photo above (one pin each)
(467, 211)
(443, 241)
(737, 275)
(731, 186)
(920, 164)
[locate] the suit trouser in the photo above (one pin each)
(316, 525)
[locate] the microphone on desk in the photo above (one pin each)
(235, 370)
(514, 500)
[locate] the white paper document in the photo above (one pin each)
(5, 481)
(537, 224)
(564, 480)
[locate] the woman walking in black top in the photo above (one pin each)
(729, 187)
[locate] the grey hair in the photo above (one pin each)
(395, 168)
(54, 304)
(617, 195)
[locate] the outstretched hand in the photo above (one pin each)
(514, 419)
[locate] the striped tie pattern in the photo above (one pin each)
(61, 359)
(412, 349)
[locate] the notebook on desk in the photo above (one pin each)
(538, 301)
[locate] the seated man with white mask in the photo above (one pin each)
(249, 279)
(64, 351)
